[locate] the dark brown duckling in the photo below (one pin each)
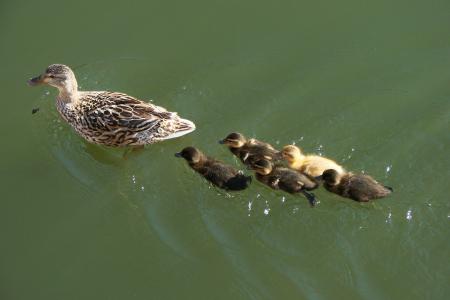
(288, 180)
(221, 175)
(250, 151)
(358, 187)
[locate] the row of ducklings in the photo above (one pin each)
(302, 174)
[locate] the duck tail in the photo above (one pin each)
(389, 188)
(181, 127)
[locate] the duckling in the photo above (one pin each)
(312, 165)
(249, 151)
(288, 180)
(358, 187)
(110, 118)
(216, 172)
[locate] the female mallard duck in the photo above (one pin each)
(216, 172)
(278, 177)
(110, 118)
(358, 187)
(249, 151)
(313, 165)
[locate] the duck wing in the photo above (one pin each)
(112, 111)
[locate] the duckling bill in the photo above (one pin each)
(221, 175)
(359, 187)
(250, 150)
(278, 177)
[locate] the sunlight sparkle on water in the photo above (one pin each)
(409, 215)
(389, 218)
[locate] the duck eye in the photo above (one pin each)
(51, 76)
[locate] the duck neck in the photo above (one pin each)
(69, 92)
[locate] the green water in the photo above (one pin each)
(364, 82)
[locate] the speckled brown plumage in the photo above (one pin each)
(111, 118)
(116, 119)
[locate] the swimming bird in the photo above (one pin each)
(313, 165)
(288, 180)
(215, 171)
(251, 150)
(359, 187)
(110, 118)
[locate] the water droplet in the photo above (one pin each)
(409, 215)
(388, 168)
(266, 211)
(250, 203)
(142, 188)
(283, 199)
(389, 218)
(133, 179)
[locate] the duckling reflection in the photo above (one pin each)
(278, 177)
(359, 187)
(250, 151)
(216, 172)
(312, 165)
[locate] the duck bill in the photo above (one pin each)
(178, 154)
(319, 178)
(221, 142)
(36, 80)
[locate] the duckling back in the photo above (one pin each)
(293, 182)
(315, 165)
(255, 150)
(359, 187)
(222, 175)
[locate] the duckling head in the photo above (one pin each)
(234, 140)
(262, 166)
(291, 153)
(330, 176)
(191, 155)
(59, 76)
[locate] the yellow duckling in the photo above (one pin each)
(313, 165)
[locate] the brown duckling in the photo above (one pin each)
(359, 187)
(216, 172)
(288, 180)
(313, 165)
(251, 150)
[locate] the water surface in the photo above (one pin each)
(366, 83)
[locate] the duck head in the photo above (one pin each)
(262, 167)
(234, 140)
(330, 177)
(191, 155)
(59, 76)
(291, 153)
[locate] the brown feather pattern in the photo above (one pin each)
(116, 119)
